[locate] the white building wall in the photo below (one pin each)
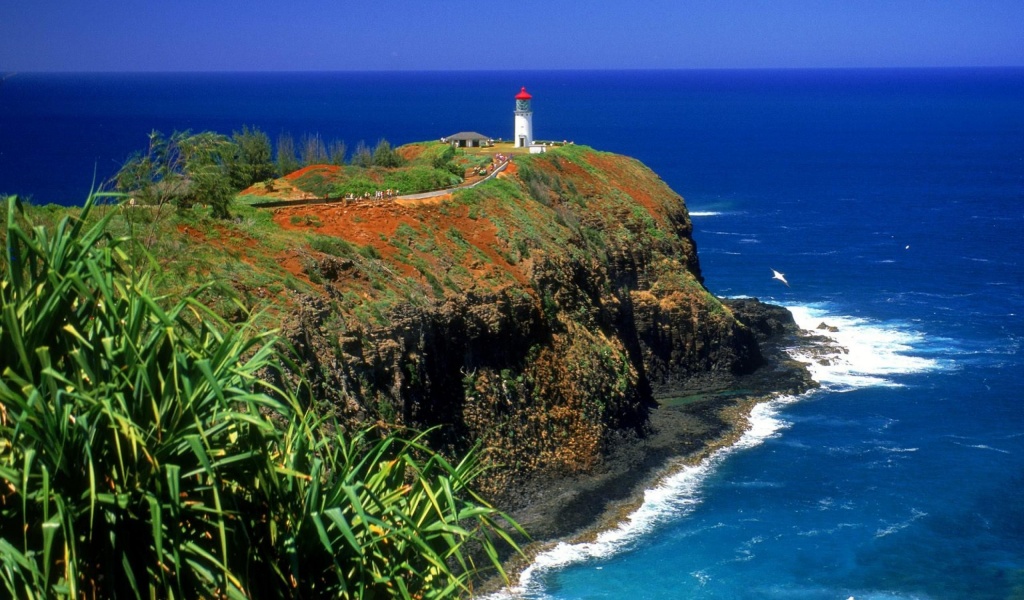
(523, 128)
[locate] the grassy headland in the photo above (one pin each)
(537, 317)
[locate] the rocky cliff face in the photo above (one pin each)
(538, 315)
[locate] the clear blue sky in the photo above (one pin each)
(296, 35)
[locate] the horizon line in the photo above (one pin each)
(11, 73)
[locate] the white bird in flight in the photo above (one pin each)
(780, 277)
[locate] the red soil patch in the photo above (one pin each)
(191, 232)
(434, 200)
(583, 179)
(375, 223)
(291, 262)
(511, 169)
(283, 189)
(628, 181)
(228, 242)
(322, 169)
(411, 152)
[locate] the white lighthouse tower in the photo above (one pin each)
(524, 120)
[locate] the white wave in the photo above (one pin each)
(861, 353)
(897, 450)
(983, 447)
(818, 253)
(704, 213)
(721, 251)
(734, 233)
(676, 495)
(897, 527)
(757, 484)
(808, 593)
(887, 595)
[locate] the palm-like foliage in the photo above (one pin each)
(141, 456)
(374, 520)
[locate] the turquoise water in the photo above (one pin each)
(892, 200)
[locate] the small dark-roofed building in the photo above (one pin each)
(468, 139)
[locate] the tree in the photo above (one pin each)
(385, 156)
(286, 161)
(442, 158)
(362, 157)
(313, 150)
(152, 177)
(185, 169)
(445, 160)
(253, 160)
(207, 160)
(336, 151)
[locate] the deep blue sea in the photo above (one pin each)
(893, 201)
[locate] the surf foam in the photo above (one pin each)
(857, 352)
(675, 496)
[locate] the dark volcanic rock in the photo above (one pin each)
(767, 321)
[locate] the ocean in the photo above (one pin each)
(893, 201)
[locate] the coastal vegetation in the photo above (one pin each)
(187, 169)
(562, 296)
(243, 394)
(406, 170)
(151, 448)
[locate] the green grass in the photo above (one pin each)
(251, 199)
(331, 245)
(416, 177)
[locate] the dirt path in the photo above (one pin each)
(405, 199)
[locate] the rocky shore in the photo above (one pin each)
(686, 426)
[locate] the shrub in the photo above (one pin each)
(369, 251)
(186, 169)
(315, 183)
(385, 156)
(253, 159)
(330, 245)
(442, 157)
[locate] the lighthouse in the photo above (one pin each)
(523, 135)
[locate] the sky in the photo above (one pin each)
(375, 35)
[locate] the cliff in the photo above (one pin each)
(538, 315)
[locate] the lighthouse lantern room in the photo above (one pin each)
(524, 120)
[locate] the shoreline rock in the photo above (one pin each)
(686, 427)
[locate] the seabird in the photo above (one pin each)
(780, 277)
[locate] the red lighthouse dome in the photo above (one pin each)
(523, 94)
